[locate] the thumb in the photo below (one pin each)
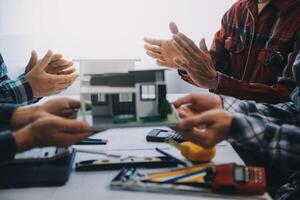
(189, 99)
(203, 46)
(173, 28)
(33, 59)
(46, 60)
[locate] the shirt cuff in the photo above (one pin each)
(231, 104)
(7, 146)
(221, 83)
(27, 91)
(236, 128)
(6, 113)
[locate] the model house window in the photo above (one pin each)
(148, 92)
(99, 99)
(125, 97)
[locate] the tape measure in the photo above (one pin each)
(192, 151)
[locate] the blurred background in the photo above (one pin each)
(102, 29)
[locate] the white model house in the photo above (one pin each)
(118, 97)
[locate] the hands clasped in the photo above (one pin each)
(202, 119)
(180, 52)
(50, 75)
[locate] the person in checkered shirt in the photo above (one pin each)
(250, 58)
(48, 76)
(267, 134)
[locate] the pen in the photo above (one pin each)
(91, 141)
(170, 156)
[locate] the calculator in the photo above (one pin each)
(235, 178)
(160, 135)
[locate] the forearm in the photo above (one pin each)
(279, 143)
(24, 116)
(284, 113)
(258, 92)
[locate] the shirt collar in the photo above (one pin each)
(281, 5)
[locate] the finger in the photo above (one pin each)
(60, 68)
(34, 58)
(184, 100)
(185, 41)
(203, 46)
(74, 104)
(180, 63)
(55, 70)
(152, 48)
(67, 71)
(56, 57)
(160, 62)
(61, 62)
(73, 126)
(154, 55)
(182, 50)
(153, 41)
(65, 84)
(62, 79)
(173, 28)
(183, 113)
(185, 44)
(46, 59)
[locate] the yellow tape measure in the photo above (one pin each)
(192, 151)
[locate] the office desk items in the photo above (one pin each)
(94, 185)
(208, 178)
(37, 171)
(171, 157)
(160, 135)
(92, 141)
(192, 151)
(119, 163)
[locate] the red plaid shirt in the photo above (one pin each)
(253, 53)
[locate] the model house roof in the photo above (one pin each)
(127, 79)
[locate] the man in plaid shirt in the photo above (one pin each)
(45, 77)
(269, 132)
(251, 55)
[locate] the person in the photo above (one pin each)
(250, 57)
(270, 133)
(45, 77)
(50, 124)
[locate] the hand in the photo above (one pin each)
(58, 65)
(197, 103)
(206, 129)
(197, 61)
(63, 107)
(46, 84)
(163, 50)
(51, 131)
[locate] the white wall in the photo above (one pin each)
(102, 28)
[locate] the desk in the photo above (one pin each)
(95, 185)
